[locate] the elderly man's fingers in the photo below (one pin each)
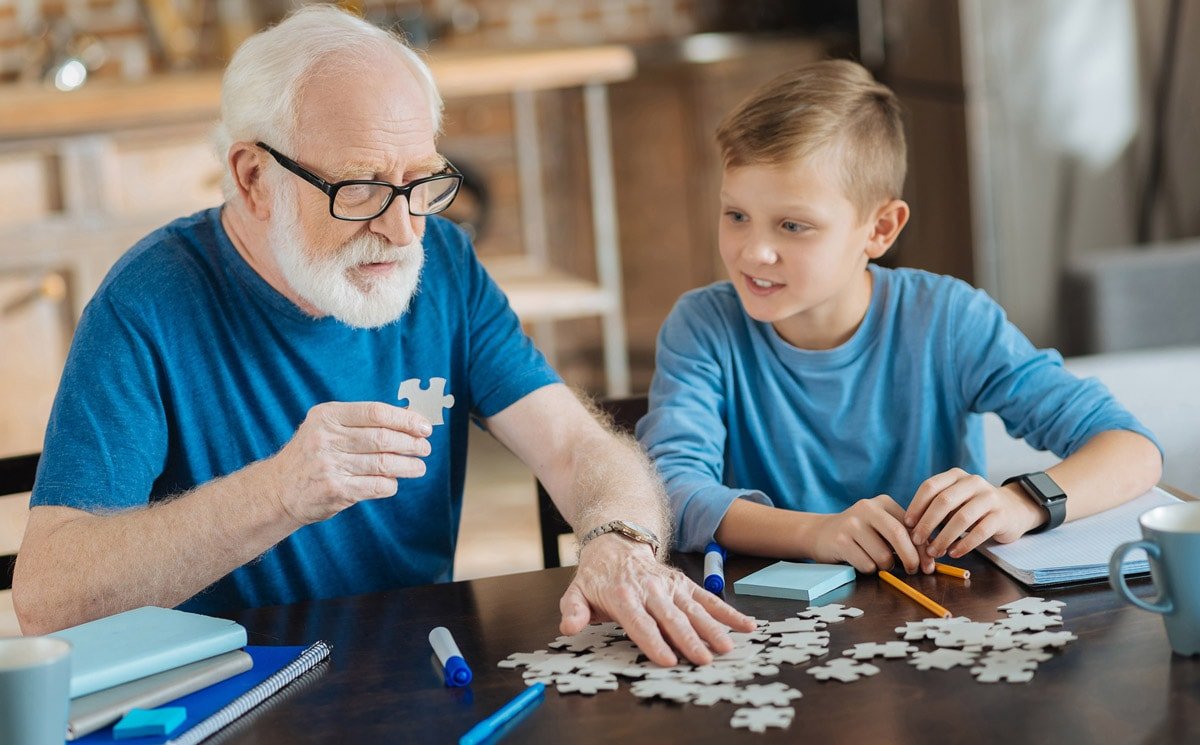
(643, 630)
(711, 632)
(678, 629)
(721, 611)
(381, 440)
(576, 611)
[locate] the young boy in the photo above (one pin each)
(819, 406)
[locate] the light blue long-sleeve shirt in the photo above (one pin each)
(736, 411)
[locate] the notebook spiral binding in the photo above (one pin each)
(255, 696)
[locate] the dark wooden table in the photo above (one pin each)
(1118, 683)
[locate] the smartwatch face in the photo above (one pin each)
(1045, 486)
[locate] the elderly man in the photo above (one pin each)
(227, 432)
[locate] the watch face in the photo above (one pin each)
(1045, 486)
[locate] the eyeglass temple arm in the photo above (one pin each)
(297, 169)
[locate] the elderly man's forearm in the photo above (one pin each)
(92, 566)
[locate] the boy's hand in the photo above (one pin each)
(869, 535)
(969, 511)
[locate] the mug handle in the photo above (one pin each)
(1117, 579)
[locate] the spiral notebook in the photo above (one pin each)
(1078, 551)
(215, 707)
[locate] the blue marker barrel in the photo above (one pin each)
(714, 568)
(455, 668)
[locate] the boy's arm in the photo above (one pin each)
(685, 431)
(869, 535)
(1111, 468)
(1108, 456)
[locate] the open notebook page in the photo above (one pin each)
(1079, 549)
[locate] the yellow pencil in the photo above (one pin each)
(921, 600)
(941, 568)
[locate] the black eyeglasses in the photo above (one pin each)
(360, 200)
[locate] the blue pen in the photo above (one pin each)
(531, 696)
(714, 568)
(454, 666)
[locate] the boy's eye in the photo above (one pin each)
(792, 226)
(735, 216)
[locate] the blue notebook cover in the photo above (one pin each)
(204, 703)
(794, 581)
(114, 650)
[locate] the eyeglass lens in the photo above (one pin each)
(362, 201)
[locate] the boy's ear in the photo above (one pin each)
(889, 220)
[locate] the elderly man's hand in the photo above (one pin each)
(621, 580)
(343, 453)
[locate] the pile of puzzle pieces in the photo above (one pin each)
(593, 660)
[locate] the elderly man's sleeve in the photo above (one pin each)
(504, 364)
(685, 431)
(106, 438)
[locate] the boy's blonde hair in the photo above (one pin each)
(833, 107)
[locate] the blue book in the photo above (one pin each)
(210, 709)
(794, 581)
(114, 650)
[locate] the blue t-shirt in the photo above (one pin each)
(188, 366)
(736, 411)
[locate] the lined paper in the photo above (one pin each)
(1078, 550)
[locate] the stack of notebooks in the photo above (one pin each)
(148, 657)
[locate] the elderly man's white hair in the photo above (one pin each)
(266, 74)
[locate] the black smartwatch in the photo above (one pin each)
(1043, 490)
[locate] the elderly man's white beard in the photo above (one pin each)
(363, 302)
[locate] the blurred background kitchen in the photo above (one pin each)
(1053, 162)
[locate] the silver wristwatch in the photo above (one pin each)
(632, 531)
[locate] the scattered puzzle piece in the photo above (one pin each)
(832, 613)
(592, 637)
(773, 694)
(711, 694)
(428, 402)
(942, 659)
(1044, 639)
(1011, 666)
(588, 685)
(524, 659)
(672, 690)
(790, 655)
(1029, 622)
(804, 639)
(793, 625)
(1008, 672)
(1033, 605)
(968, 634)
(843, 669)
(759, 719)
(870, 650)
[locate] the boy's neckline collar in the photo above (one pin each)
(859, 341)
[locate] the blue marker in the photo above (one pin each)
(531, 696)
(455, 667)
(714, 568)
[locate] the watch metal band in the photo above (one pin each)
(633, 531)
